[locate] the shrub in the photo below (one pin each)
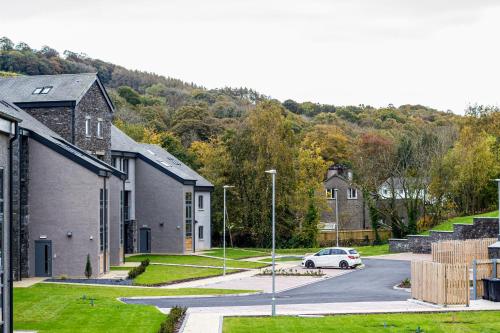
(136, 271)
(173, 321)
(88, 268)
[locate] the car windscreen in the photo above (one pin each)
(353, 252)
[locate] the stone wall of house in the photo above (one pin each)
(94, 106)
(20, 208)
(353, 213)
(482, 227)
(58, 119)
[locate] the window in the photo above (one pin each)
(324, 252)
(87, 127)
(122, 213)
(113, 162)
(42, 90)
(200, 202)
(46, 90)
(330, 193)
(189, 214)
(99, 128)
(385, 191)
(353, 252)
(352, 193)
(200, 232)
(125, 166)
(103, 219)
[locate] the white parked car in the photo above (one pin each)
(342, 257)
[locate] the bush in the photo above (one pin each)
(173, 321)
(136, 271)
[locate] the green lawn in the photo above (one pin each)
(194, 260)
(457, 322)
(160, 274)
(58, 308)
(365, 251)
(236, 253)
(448, 224)
(120, 268)
(283, 259)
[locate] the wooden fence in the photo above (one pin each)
(438, 283)
(352, 235)
(461, 251)
(484, 269)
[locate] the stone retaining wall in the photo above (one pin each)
(482, 227)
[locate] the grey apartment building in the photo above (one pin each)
(73, 195)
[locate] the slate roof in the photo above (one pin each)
(156, 155)
(42, 133)
(65, 88)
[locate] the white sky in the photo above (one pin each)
(440, 53)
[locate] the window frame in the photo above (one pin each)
(200, 202)
(350, 192)
(88, 132)
(46, 90)
(99, 129)
(188, 214)
(200, 233)
(330, 194)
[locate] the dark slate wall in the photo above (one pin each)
(94, 105)
(58, 119)
(20, 211)
(483, 227)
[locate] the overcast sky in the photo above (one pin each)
(440, 53)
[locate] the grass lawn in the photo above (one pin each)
(194, 260)
(365, 251)
(160, 274)
(236, 253)
(120, 268)
(463, 322)
(283, 259)
(59, 308)
(448, 224)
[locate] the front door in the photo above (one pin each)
(145, 240)
(43, 258)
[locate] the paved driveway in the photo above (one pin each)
(373, 283)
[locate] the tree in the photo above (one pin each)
(193, 123)
(331, 140)
(88, 268)
(6, 44)
(130, 95)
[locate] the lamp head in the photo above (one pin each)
(228, 186)
(272, 171)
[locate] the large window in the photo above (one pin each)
(103, 219)
(189, 214)
(99, 128)
(122, 212)
(330, 193)
(87, 127)
(200, 202)
(125, 166)
(352, 193)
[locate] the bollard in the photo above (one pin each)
(474, 279)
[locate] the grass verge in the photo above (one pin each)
(448, 224)
(366, 251)
(236, 253)
(452, 322)
(156, 275)
(60, 308)
(194, 260)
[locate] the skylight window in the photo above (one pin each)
(165, 164)
(46, 90)
(42, 90)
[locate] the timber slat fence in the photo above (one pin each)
(484, 269)
(438, 283)
(461, 251)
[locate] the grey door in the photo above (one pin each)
(43, 258)
(145, 240)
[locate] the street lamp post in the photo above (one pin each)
(498, 182)
(337, 214)
(273, 309)
(225, 187)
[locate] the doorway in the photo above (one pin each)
(43, 258)
(145, 240)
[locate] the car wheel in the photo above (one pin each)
(344, 265)
(310, 264)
